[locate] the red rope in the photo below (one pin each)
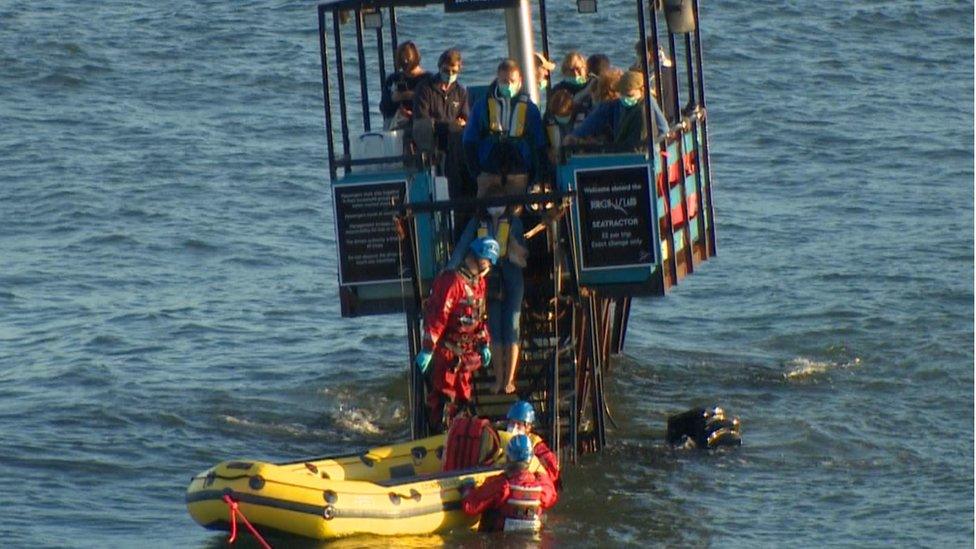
(234, 512)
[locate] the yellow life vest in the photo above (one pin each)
(501, 234)
(517, 119)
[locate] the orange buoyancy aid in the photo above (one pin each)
(522, 510)
(471, 441)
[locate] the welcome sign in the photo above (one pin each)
(614, 206)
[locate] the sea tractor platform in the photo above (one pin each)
(607, 227)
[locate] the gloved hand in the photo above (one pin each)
(466, 486)
(423, 360)
(485, 355)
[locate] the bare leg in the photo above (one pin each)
(498, 365)
(511, 365)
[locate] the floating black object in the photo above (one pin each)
(704, 428)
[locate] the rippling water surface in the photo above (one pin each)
(168, 276)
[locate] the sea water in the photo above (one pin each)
(168, 287)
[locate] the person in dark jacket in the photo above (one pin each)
(442, 102)
(396, 103)
(504, 143)
(621, 123)
(668, 75)
(443, 99)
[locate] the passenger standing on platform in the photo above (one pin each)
(577, 82)
(514, 500)
(597, 64)
(558, 122)
(606, 86)
(543, 70)
(521, 418)
(621, 123)
(396, 103)
(505, 284)
(442, 98)
(504, 144)
(668, 75)
(442, 102)
(455, 334)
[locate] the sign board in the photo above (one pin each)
(473, 5)
(616, 226)
(369, 250)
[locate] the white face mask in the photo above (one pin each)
(496, 211)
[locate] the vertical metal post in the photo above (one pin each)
(393, 33)
(689, 243)
(649, 121)
(704, 161)
(380, 55)
(325, 93)
(663, 146)
(596, 366)
(702, 229)
(363, 84)
(544, 28)
(344, 119)
(518, 28)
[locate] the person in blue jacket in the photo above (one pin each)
(504, 142)
(621, 123)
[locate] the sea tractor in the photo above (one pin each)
(608, 226)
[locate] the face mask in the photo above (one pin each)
(543, 84)
(629, 101)
(448, 77)
(508, 90)
(563, 119)
(496, 211)
(578, 80)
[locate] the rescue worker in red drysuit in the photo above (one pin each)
(515, 499)
(455, 332)
(520, 417)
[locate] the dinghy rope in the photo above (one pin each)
(234, 513)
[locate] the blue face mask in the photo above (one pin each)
(508, 90)
(542, 84)
(628, 101)
(578, 80)
(450, 78)
(563, 119)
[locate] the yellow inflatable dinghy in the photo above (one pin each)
(390, 490)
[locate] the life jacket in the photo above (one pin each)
(554, 134)
(500, 234)
(523, 508)
(467, 316)
(470, 442)
(515, 128)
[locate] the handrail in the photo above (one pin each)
(468, 202)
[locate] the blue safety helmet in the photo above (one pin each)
(522, 411)
(486, 247)
(519, 449)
